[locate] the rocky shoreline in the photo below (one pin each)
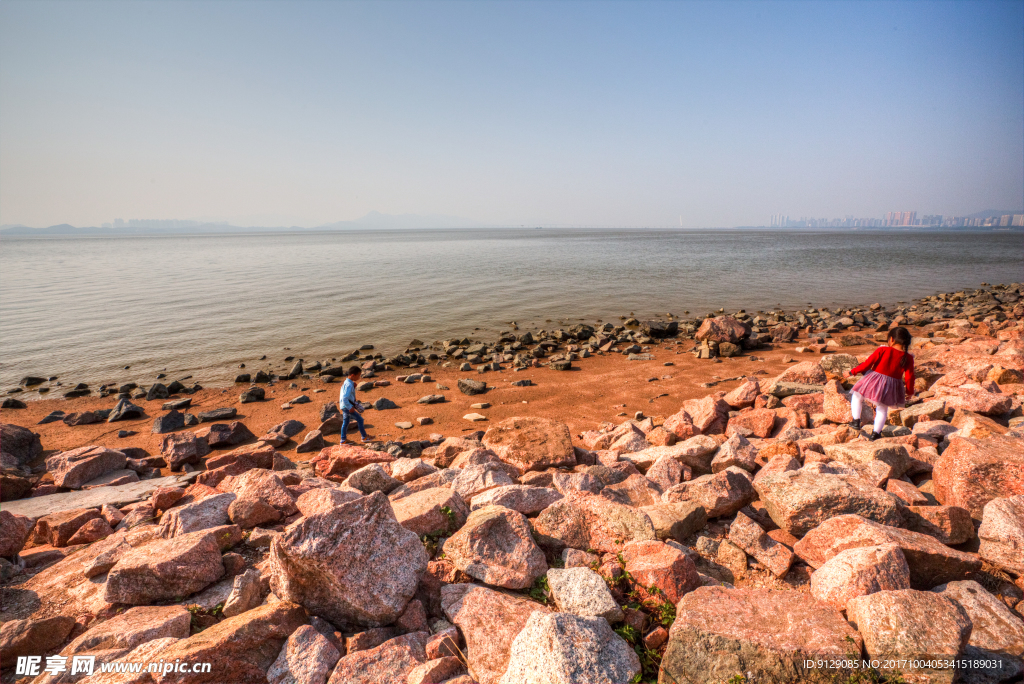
(745, 535)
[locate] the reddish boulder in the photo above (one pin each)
(1002, 533)
(751, 537)
(338, 462)
(14, 532)
(709, 415)
(532, 443)
(860, 571)
(800, 500)
(32, 637)
(222, 435)
(680, 424)
(930, 627)
(74, 468)
(586, 521)
(423, 512)
(951, 525)
(744, 395)
(723, 493)
(169, 569)
(931, 563)
(90, 532)
(656, 565)
(972, 472)
(495, 546)
(722, 329)
(57, 529)
(768, 636)
(307, 656)
(324, 499)
(244, 646)
(760, 422)
(490, 621)
(332, 563)
(805, 373)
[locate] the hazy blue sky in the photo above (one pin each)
(596, 113)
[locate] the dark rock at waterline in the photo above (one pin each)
(296, 369)
(244, 377)
(213, 416)
(471, 387)
(177, 404)
(176, 387)
(261, 377)
(252, 394)
(20, 444)
(75, 393)
(169, 423)
(30, 380)
(157, 391)
(11, 403)
(659, 329)
(383, 404)
(52, 418)
(191, 420)
(126, 410)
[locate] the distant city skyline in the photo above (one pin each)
(507, 113)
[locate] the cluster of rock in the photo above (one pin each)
(750, 535)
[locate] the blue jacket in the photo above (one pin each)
(348, 395)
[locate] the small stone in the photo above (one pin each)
(581, 591)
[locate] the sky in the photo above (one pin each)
(508, 113)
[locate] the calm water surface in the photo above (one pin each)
(83, 308)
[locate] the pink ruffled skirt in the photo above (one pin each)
(881, 389)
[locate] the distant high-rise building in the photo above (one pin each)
(1018, 220)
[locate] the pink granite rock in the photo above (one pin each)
(169, 569)
(744, 395)
(654, 564)
(951, 525)
(737, 451)
(751, 537)
(972, 472)
(532, 443)
(56, 529)
(860, 571)
(931, 563)
(526, 499)
(333, 563)
(1002, 533)
(590, 522)
(800, 500)
(422, 512)
(489, 621)
(90, 532)
(720, 494)
(76, 467)
(324, 499)
(768, 636)
(722, 329)
(930, 627)
(495, 546)
(338, 462)
(307, 657)
(805, 373)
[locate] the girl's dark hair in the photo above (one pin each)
(902, 336)
(355, 370)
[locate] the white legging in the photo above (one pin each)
(881, 411)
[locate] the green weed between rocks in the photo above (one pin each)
(540, 591)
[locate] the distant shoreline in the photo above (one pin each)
(73, 232)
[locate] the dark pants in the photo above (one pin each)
(351, 415)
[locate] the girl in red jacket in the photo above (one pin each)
(888, 382)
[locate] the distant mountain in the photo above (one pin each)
(994, 212)
(373, 220)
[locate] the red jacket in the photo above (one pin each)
(887, 360)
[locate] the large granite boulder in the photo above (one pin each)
(352, 564)
(532, 443)
(490, 621)
(132, 628)
(722, 493)
(762, 634)
(338, 462)
(437, 510)
(997, 633)
(931, 563)
(74, 468)
(239, 649)
(496, 547)
(660, 571)
(972, 472)
(1002, 533)
(392, 661)
(526, 499)
(800, 500)
(587, 521)
(929, 627)
(722, 329)
(170, 569)
(860, 571)
(307, 657)
(560, 648)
